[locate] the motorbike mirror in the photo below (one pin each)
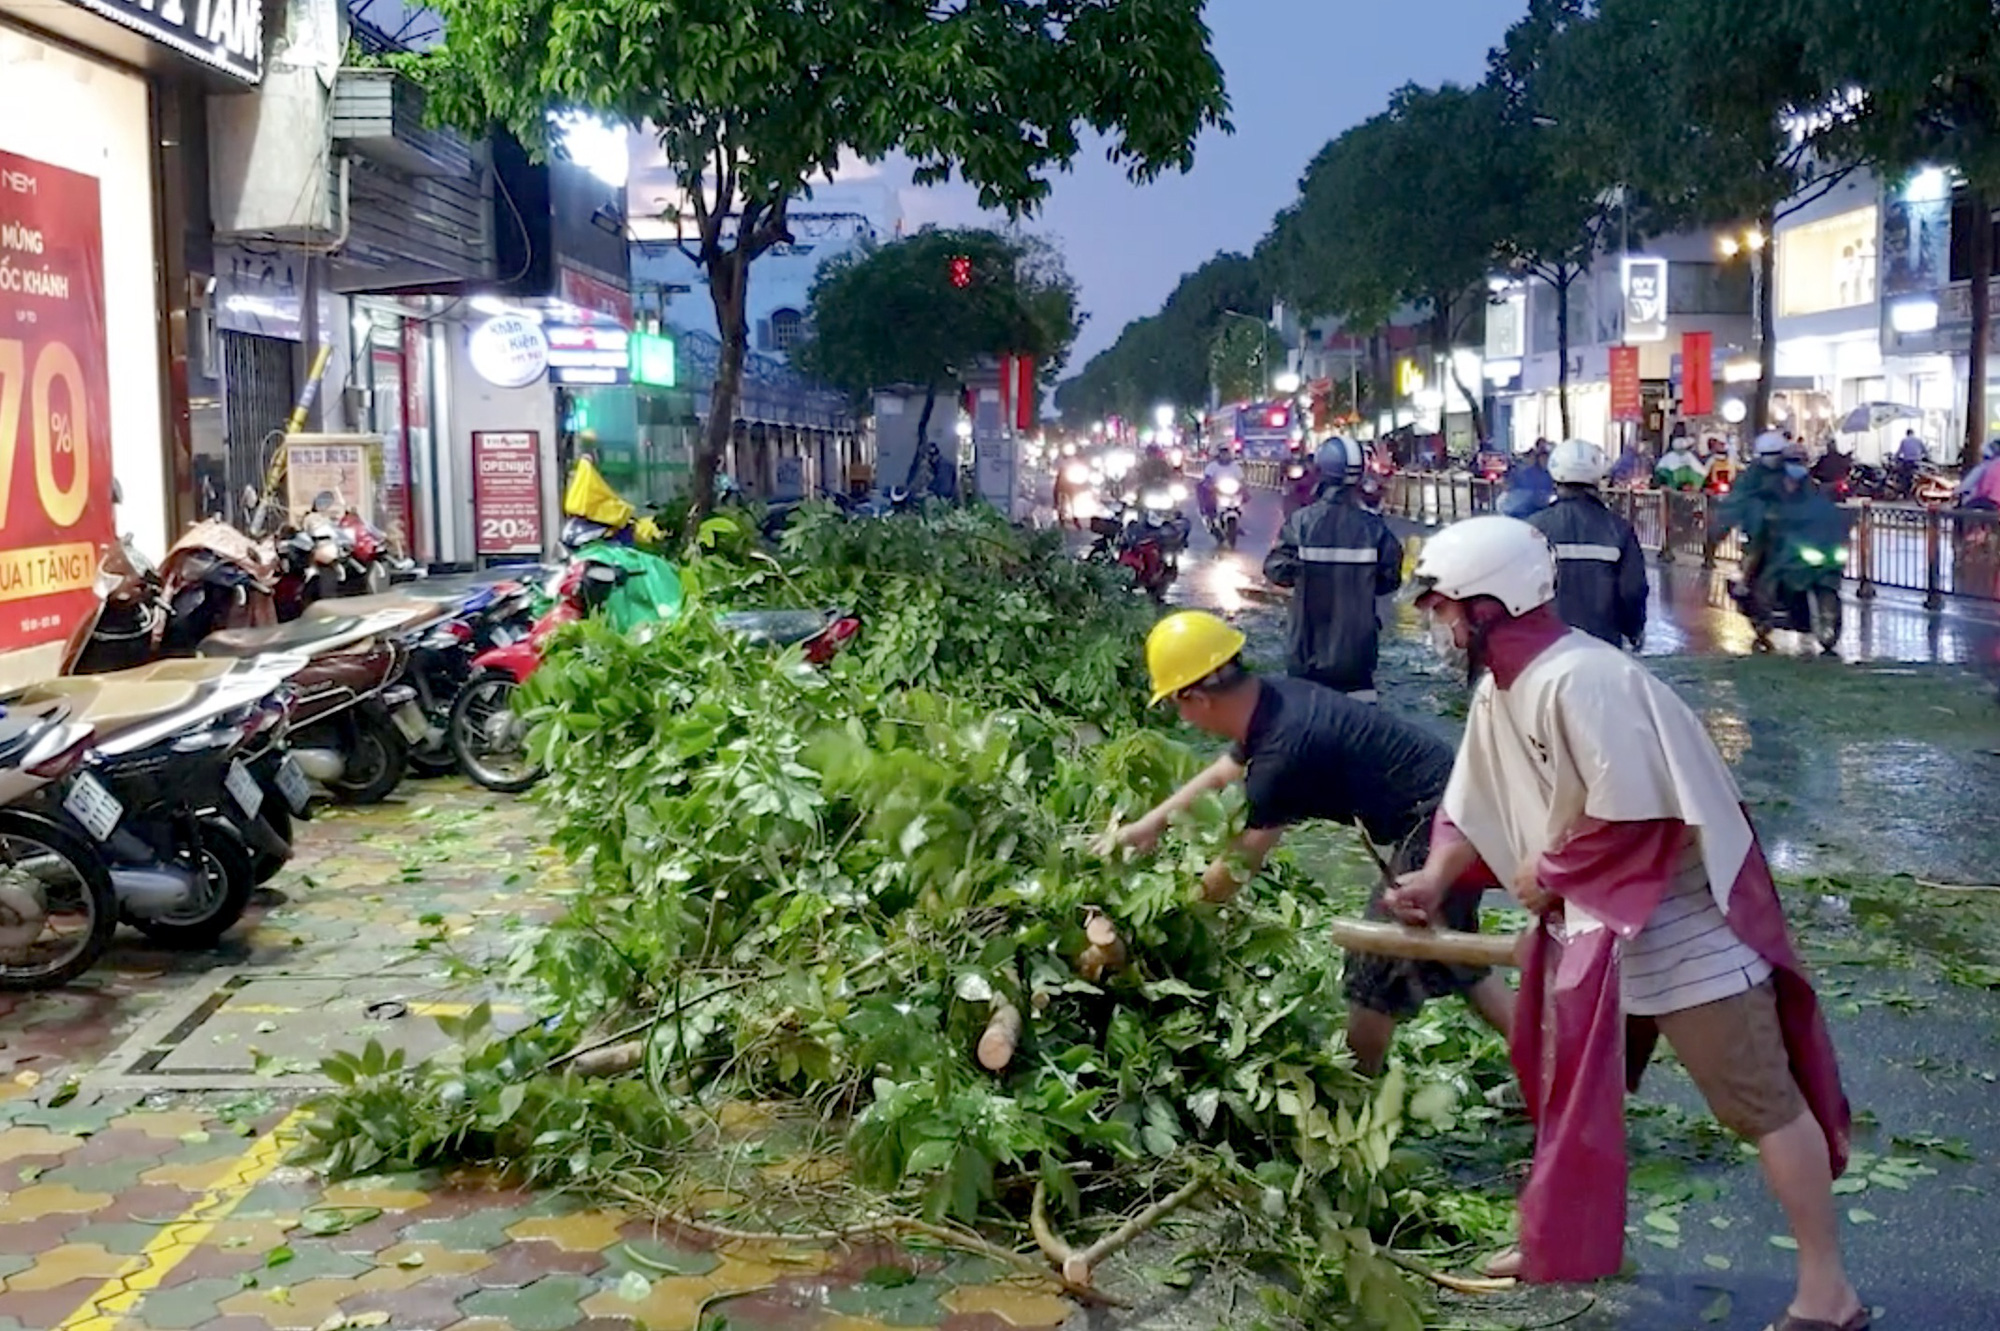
(117, 491)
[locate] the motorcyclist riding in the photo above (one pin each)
(1153, 468)
(1223, 464)
(1600, 567)
(1981, 486)
(1759, 506)
(1529, 486)
(1337, 557)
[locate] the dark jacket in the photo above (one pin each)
(1337, 557)
(1600, 569)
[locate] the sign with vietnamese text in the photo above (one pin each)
(224, 34)
(1626, 404)
(507, 492)
(55, 401)
(508, 351)
(589, 354)
(334, 473)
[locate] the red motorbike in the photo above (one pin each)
(488, 736)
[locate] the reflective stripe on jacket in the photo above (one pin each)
(1337, 558)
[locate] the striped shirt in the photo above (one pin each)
(1686, 955)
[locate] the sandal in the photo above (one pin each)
(1790, 1322)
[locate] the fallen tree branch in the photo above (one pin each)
(1383, 939)
(620, 1042)
(1958, 887)
(1078, 1267)
(1456, 1284)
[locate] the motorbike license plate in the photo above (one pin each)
(292, 784)
(92, 805)
(409, 719)
(243, 788)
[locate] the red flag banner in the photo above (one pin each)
(1025, 413)
(1697, 374)
(1625, 402)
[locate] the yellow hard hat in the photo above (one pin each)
(1185, 648)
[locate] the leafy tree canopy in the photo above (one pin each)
(895, 314)
(753, 100)
(1165, 357)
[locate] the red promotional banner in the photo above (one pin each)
(507, 492)
(1025, 414)
(1697, 374)
(55, 401)
(1625, 401)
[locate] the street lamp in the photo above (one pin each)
(1752, 240)
(1286, 383)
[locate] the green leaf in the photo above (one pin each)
(1718, 1308)
(326, 1220)
(634, 1287)
(1857, 1216)
(1785, 1241)
(1716, 1262)
(277, 1257)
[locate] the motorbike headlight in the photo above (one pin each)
(1812, 556)
(1840, 555)
(1077, 474)
(1157, 501)
(1228, 485)
(1131, 496)
(1178, 491)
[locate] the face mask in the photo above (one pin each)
(1444, 644)
(1796, 470)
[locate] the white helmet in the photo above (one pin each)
(1770, 444)
(1340, 460)
(1504, 558)
(1578, 462)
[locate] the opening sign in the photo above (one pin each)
(507, 492)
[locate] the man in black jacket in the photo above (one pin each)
(1600, 568)
(1337, 557)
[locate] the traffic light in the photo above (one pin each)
(961, 271)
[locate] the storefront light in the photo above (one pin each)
(1919, 315)
(1501, 371)
(1734, 411)
(1929, 185)
(1742, 370)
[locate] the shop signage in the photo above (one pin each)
(589, 355)
(343, 467)
(55, 401)
(1645, 300)
(1697, 374)
(507, 492)
(225, 34)
(509, 351)
(594, 294)
(1625, 399)
(1507, 327)
(653, 360)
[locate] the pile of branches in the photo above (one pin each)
(872, 908)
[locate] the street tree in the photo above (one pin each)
(929, 309)
(1711, 114)
(756, 100)
(1929, 82)
(1403, 209)
(1243, 354)
(1165, 357)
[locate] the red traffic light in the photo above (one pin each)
(961, 271)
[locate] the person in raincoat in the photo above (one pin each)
(1678, 467)
(1590, 788)
(1529, 485)
(1600, 568)
(1337, 558)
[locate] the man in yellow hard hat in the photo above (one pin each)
(1304, 751)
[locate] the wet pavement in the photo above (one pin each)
(146, 1112)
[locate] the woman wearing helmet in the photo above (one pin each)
(1593, 790)
(1337, 557)
(1981, 486)
(1305, 753)
(1600, 567)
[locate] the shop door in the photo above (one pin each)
(258, 389)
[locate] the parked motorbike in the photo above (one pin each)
(1146, 533)
(442, 655)
(168, 798)
(57, 907)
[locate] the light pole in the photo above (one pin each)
(1262, 370)
(1754, 242)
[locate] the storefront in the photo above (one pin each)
(92, 105)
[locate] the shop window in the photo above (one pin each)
(1708, 288)
(1829, 264)
(787, 329)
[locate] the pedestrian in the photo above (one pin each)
(1592, 789)
(1305, 753)
(1337, 558)
(1600, 567)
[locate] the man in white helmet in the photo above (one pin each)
(1593, 790)
(1600, 568)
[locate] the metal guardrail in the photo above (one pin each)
(1911, 547)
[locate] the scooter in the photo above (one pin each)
(168, 799)
(1225, 514)
(1804, 593)
(1301, 485)
(57, 907)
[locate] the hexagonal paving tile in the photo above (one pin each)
(550, 1304)
(45, 1199)
(1017, 1305)
(66, 1263)
(186, 1305)
(671, 1301)
(583, 1231)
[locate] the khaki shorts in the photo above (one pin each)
(1735, 1051)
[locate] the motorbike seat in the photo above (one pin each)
(113, 705)
(780, 628)
(175, 670)
(301, 635)
(386, 603)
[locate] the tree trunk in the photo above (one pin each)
(728, 289)
(1376, 377)
(1980, 255)
(1767, 328)
(923, 437)
(1562, 345)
